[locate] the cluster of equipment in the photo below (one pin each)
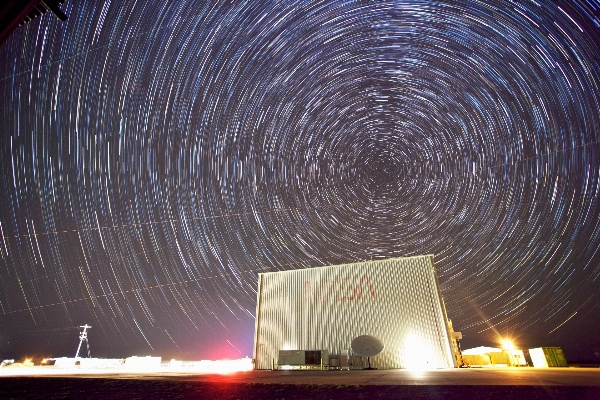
(362, 346)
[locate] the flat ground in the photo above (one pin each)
(489, 383)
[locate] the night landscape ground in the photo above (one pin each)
(72, 388)
(514, 383)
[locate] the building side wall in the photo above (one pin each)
(395, 300)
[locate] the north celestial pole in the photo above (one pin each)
(156, 157)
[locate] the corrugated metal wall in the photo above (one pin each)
(396, 300)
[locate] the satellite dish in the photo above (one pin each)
(367, 346)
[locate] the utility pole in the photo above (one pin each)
(82, 337)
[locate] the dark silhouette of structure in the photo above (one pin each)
(15, 13)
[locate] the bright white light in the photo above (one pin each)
(223, 366)
(507, 344)
(418, 353)
(142, 365)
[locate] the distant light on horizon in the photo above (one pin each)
(130, 365)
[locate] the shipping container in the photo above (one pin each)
(544, 357)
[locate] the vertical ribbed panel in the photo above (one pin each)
(396, 300)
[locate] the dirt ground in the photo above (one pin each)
(126, 389)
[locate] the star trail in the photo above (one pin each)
(157, 156)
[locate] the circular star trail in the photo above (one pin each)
(156, 157)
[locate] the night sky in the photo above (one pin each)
(156, 157)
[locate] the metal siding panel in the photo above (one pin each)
(396, 300)
(257, 316)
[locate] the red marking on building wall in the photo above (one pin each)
(345, 288)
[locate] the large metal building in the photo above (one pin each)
(396, 300)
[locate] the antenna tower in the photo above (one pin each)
(82, 337)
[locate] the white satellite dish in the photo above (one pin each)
(367, 346)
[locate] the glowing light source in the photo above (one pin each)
(418, 352)
(223, 366)
(507, 344)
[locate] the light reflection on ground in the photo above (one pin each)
(511, 376)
